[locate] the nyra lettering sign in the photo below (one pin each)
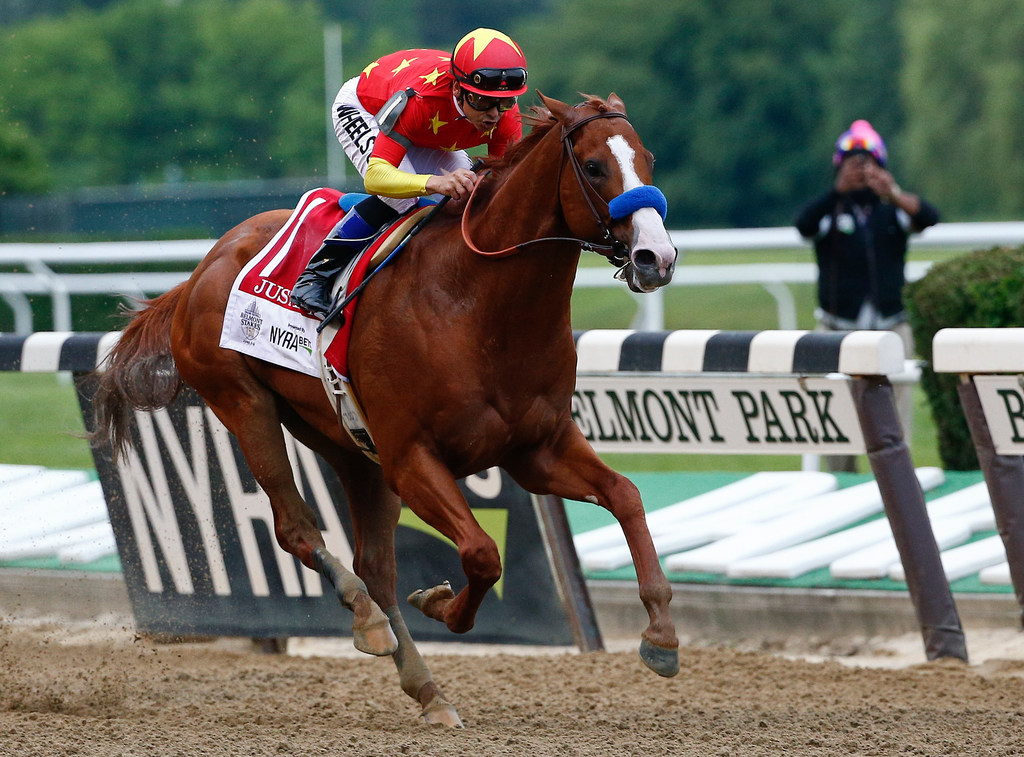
(1002, 399)
(724, 414)
(195, 534)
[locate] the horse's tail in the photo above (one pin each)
(140, 373)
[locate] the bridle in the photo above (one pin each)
(619, 251)
(616, 251)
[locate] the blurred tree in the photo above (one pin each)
(374, 29)
(964, 77)
(205, 90)
(261, 111)
(442, 26)
(60, 81)
(739, 101)
(13, 11)
(22, 170)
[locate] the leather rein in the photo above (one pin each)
(616, 252)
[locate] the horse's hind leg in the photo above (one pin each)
(375, 511)
(415, 677)
(297, 532)
(250, 413)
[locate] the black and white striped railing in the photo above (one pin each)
(865, 353)
(52, 351)
(856, 353)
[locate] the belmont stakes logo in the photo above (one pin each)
(251, 321)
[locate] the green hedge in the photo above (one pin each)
(984, 289)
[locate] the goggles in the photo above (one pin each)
(483, 102)
(866, 144)
(497, 79)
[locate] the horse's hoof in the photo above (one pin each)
(377, 639)
(431, 602)
(664, 662)
(371, 630)
(439, 712)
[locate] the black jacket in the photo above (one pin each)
(861, 250)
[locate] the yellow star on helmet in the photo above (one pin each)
(369, 68)
(485, 37)
(432, 77)
(404, 64)
(436, 122)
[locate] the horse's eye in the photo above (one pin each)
(593, 169)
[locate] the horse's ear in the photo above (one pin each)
(615, 103)
(558, 108)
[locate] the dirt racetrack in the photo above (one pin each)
(97, 689)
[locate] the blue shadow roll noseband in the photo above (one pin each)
(646, 196)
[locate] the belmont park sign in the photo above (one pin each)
(726, 392)
(708, 414)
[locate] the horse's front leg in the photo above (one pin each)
(430, 491)
(297, 533)
(571, 469)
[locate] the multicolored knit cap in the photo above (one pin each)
(861, 136)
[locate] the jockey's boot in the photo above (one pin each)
(312, 290)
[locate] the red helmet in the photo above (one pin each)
(489, 63)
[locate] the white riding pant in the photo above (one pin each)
(357, 129)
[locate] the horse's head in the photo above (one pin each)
(607, 195)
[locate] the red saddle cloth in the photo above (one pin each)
(260, 319)
(277, 266)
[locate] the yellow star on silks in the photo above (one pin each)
(453, 148)
(432, 77)
(436, 122)
(369, 68)
(404, 64)
(485, 37)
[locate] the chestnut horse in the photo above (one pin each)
(461, 361)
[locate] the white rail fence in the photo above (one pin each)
(38, 276)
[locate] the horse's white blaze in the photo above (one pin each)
(649, 231)
(624, 155)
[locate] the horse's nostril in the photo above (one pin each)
(644, 259)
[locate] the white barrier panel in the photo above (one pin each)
(994, 408)
(989, 351)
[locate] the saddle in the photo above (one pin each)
(333, 339)
(260, 321)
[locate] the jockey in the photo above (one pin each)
(405, 123)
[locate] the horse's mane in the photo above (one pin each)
(541, 121)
